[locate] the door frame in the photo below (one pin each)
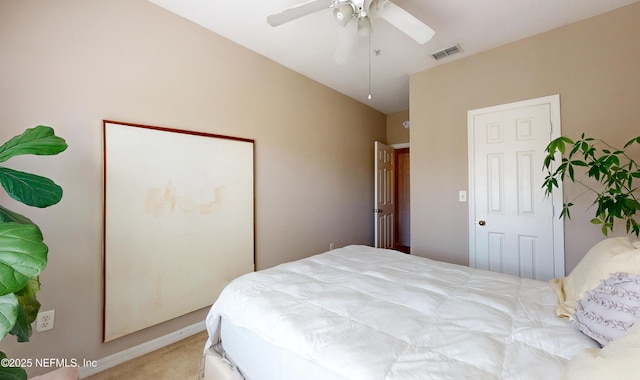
(557, 198)
(398, 147)
(396, 184)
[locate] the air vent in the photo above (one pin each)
(447, 52)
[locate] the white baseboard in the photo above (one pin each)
(142, 349)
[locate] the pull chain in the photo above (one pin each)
(369, 64)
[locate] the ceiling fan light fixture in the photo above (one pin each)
(364, 26)
(343, 13)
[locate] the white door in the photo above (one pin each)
(512, 227)
(384, 197)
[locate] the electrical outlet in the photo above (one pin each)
(331, 246)
(44, 320)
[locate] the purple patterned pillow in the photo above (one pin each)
(610, 309)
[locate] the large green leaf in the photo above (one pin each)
(40, 140)
(11, 373)
(30, 189)
(23, 255)
(7, 216)
(8, 313)
(28, 307)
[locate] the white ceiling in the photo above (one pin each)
(307, 45)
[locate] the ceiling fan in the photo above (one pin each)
(355, 16)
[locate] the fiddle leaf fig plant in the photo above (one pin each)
(608, 173)
(23, 253)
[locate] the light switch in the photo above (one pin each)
(462, 196)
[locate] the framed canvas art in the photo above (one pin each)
(178, 222)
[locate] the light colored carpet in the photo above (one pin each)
(178, 361)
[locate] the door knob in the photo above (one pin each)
(482, 222)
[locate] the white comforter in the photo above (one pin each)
(372, 314)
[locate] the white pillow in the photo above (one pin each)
(603, 259)
(609, 310)
(616, 361)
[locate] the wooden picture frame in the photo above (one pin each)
(178, 222)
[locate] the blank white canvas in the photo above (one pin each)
(179, 222)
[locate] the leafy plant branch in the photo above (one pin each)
(23, 253)
(611, 170)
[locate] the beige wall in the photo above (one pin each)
(396, 133)
(593, 65)
(73, 63)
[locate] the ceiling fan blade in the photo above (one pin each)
(347, 41)
(406, 23)
(298, 11)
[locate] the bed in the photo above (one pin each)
(365, 313)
